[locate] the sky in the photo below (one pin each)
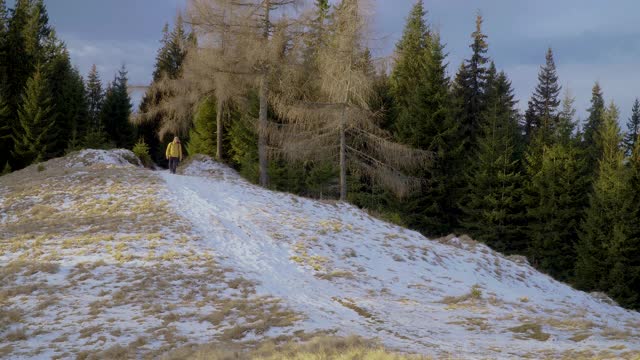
(592, 40)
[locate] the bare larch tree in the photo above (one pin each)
(336, 122)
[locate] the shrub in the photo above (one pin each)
(6, 169)
(141, 149)
(41, 168)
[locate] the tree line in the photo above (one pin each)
(47, 109)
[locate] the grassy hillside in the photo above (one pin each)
(101, 258)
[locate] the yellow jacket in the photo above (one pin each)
(174, 150)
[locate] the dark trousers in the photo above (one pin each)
(173, 164)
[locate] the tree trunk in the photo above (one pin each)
(262, 120)
(262, 130)
(219, 112)
(343, 161)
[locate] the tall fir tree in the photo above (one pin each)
(18, 64)
(5, 120)
(602, 221)
(5, 133)
(493, 207)
(36, 136)
(633, 129)
(564, 132)
(593, 125)
(433, 210)
(202, 137)
(4, 27)
(544, 103)
(409, 73)
(95, 98)
(95, 135)
(554, 213)
(67, 99)
(469, 89)
(116, 111)
(624, 250)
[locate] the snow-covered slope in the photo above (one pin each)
(203, 247)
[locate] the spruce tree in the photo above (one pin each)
(602, 222)
(433, 210)
(18, 64)
(5, 132)
(493, 208)
(624, 251)
(95, 136)
(633, 129)
(592, 127)
(116, 111)
(67, 99)
(4, 27)
(202, 137)
(469, 88)
(544, 103)
(95, 98)
(36, 136)
(75, 110)
(554, 215)
(564, 132)
(409, 73)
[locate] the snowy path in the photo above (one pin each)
(346, 271)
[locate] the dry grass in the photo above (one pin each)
(18, 334)
(320, 348)
(337, 274)
(474, 294)
(530, 331)
(351, 304)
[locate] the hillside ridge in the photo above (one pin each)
(207, 246)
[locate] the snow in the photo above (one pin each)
(116, 157)
(337, 267)
(397, 276)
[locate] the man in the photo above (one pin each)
(174, 154)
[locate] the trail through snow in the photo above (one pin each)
(348, 272)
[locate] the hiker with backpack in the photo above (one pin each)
(174, 154)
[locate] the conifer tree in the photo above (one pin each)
(592, 127)
(95, 98)
(95, 136)
(409, 73)
(433, 209)
(555, 211)
(633, 129)
(75, 110)
(566, 119)
(544, 103)
(116, 111)
(5, 132)
(67, 98)
(202, 137)
(624, 250)
(36, 135)
(18, 64)
(470, 86)
(4, 25)
(602, 222)
(493, 208)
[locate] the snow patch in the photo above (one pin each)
(115, 157)
(347, 271)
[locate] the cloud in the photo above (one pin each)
(110, 55)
